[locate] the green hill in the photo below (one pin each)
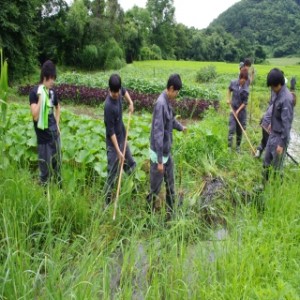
(273, 24)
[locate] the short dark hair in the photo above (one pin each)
(244, 73)
(175, 81)
(247, 62)
(114, 83)
(275, 77)
(48, 70)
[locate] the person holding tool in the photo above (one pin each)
(247, 65)
(281, 123)
(238, 93)
(161, 162)
(115, 134)
(265, 122)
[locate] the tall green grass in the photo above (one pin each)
(56, 246)
(3, 86)
(64, 244)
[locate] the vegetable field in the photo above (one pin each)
(227, 240)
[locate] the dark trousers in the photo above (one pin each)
(49, 156)
(272, 159)
(234, 127)
(264, 140)
(113, 167)
(156, 179)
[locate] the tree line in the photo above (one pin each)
(98, 34)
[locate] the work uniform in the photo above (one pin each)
(281, 123)
(48, 141)
(265, 123)
(239, 96)
(163, 123)
(114, 125)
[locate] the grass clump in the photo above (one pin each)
(206, 74)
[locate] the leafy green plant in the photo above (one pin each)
(115, 56)
(65, 245)
(3, 103)
(206, 74)
(3, 87)
(89, 57)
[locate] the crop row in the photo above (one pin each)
(83, 139)
(134, 82)
(187, 107)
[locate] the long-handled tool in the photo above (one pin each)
(244, 132)
(121, 168)
(289, 155)
(251, 92)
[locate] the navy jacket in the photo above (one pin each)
(163, 122)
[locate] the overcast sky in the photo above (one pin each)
(190, 12)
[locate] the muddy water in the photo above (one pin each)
(210, 250)
(294, 146)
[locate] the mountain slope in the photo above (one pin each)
(274, 24)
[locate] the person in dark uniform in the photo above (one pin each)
(115, 133)
(265, 124)
(266, 119)
(161, 162)
(45, 110)
(281, 122)
(248, 66)
(238, 98)
(293, 90)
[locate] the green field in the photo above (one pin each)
(226, 241)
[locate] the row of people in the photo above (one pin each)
(45, 111)
(276, 122)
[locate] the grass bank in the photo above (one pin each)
(63, 244)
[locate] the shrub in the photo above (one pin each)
(206, 74)
(146, 53)
(114, 63)
(156, 52)
(115, 56)
(89, 57)
(153, 53)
